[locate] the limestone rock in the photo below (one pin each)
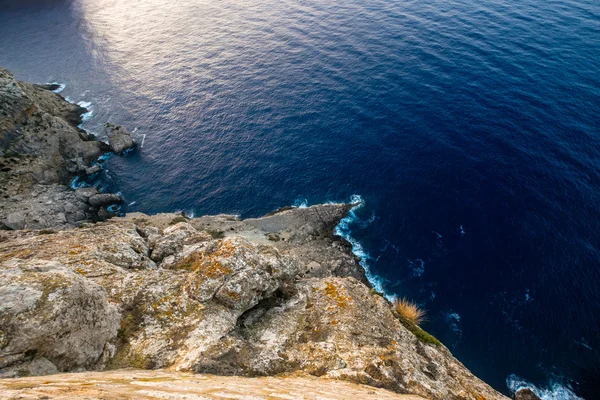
(49, 311)
(213, 295)
(119, 138)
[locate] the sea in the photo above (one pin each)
(469, 130)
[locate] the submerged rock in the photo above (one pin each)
(119, 138)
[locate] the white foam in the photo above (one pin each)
(554, 390)
(88, 115)
(189, 214)
(301, 203)
(84, 104)
(343, 229)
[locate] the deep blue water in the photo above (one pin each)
(471, 129)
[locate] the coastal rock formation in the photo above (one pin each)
(212, 295)
(264, 296)
(41, 151)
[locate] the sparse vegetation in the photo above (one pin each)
(422, 335)
(410, 315)
(409, 310)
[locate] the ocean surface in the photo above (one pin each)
(469, 128)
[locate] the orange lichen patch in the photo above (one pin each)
(336, 294)
(208, 264)
(22, 254)
(232, 294)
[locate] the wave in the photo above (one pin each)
(554, 390)
(300, 203)
(417, 267)
(87, 115)
(343, 229)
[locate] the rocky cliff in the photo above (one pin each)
(268, 296)
(42, 149)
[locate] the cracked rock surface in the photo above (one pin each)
(215, 294)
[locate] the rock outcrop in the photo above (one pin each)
(264, 296)
(41, 150)
(215, 295)
(119, 138)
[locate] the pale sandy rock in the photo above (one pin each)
(130, 384)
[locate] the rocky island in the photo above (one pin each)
(191, 304)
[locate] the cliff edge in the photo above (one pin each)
(268, 296)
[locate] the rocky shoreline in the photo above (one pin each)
(42, 149)
(264, 296)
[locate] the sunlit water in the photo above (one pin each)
(470, 128)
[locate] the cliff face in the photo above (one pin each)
(41, 151)
(216, 294)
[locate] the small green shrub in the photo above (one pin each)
(422, 335)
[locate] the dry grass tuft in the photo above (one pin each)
(409, 310)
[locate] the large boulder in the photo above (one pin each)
(104, 199)
(119, 138)
(51, 318)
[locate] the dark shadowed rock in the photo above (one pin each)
(526, 394)
(104, 199)
(119, 138)
(48, 86)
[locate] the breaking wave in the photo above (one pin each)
(343, 229)
(554, 391)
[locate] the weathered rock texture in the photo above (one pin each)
(119, 138)
(266, 296)
(146, 385)
(257, 297)
(41, 150)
